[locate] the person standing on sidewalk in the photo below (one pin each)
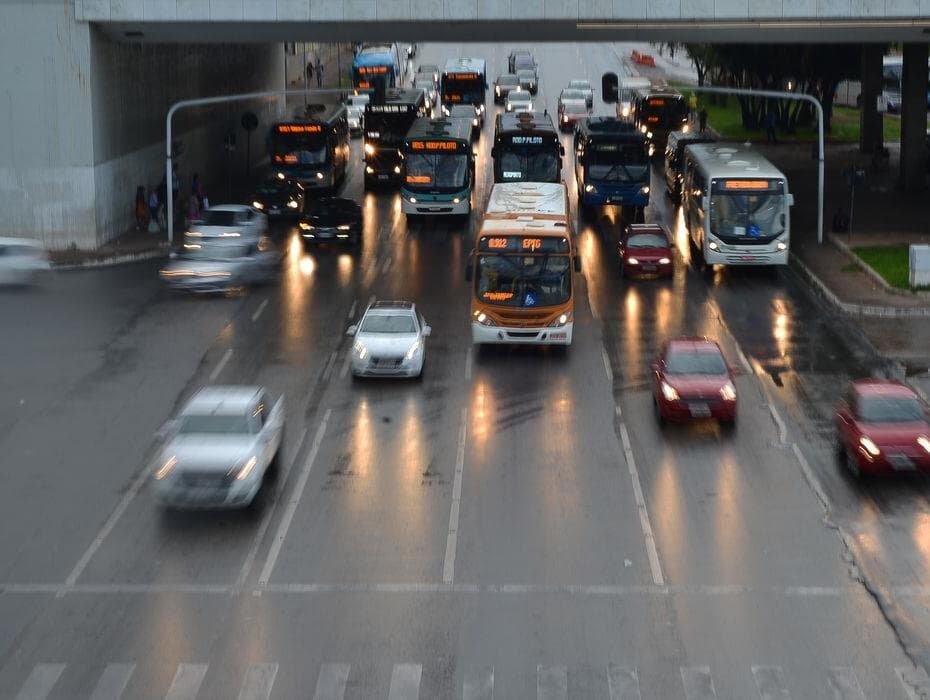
(139, 208)
(692, 107)
(153, 211)
(702, 119)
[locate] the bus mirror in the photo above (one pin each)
(609, 87)
(790, 200)
(350, 331)
(577, 263)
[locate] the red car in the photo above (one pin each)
(645, 249)
(691, 379)
(882, 427)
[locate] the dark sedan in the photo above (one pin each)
(331, 219)
(279, 197)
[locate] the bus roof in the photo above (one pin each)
(633, 81)
(609, 129)
(524, 121)
(667, 92)
(448, 128)
(321, 113)
(465, 65)
(374, 54)
(520, 206)
(731, 160)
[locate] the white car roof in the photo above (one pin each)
(29, 242)
(226, 400)
(586, 83)
(229, 207)
(391, 308)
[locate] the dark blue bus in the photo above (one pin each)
(611, 165)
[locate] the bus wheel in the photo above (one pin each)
(639, 216)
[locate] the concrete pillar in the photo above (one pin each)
(914, 118)
(870, 119)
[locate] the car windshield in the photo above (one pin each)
(891, 409)
(388, 323)
(214, 251)
(329, 209)
(580, 84)
(524, 281)
(526, 74)
(219, 217)
(747, 215)
(647, 240)
(617, 163)
(695, 363)
(576, 95)
(528, 164)
(214, 424)
(508, 80)
(271, 186)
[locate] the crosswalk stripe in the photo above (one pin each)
(258, 682)
(845, 685)
(551, 682)
(697, 683)
(915, 681)
(331, 683)
(479, 683)
(623, 683)
(113, 682)
(770, 681)
(405, 682)
(40, 682)
(187, 681)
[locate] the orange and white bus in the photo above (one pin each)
(522, 267)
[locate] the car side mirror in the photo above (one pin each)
(790, 200)
(577, 263)
(427, 331)
(351, 330)
(655, 365)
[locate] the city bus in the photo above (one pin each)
(386, 124)
(656, 112)
(626, 93)
(611, 165)
(464, 81)
(313, 148)
(439, 168)
(377, 67)
(522, 267)
(736, 206)
(526, 148)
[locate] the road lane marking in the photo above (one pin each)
(845, 685)
(651, 551)
(293, 502)
(386, 266)
(551, 682)
(448, 566)
(331, 683)
(113, 682)
(222, 363)
(468, 363)
(782, 429)
(697, 683)
(405, 682)
(770, 682)
(812, 480)
(259, 680)
(259, 311)
(108, 526)
(623, 683)
(187, 682)
(40, 682)
(478, 683)
(329, 365)
(345, 364)
(351, 314)
(607, 369)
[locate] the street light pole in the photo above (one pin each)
(787, 96)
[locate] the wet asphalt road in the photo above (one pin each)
(516, 525)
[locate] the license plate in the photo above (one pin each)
(435, 208)
(382, 177)
(699, 410)
(324, 234)
(649, 268)
(901, 462)
(558, 336)
(274, 210)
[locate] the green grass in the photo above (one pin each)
(727, 120)
(890, 261)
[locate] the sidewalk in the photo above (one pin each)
(132, 246)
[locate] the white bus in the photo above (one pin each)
(736, 206)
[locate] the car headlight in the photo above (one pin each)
(664, 261)
(479, 109)
(648, 134)
(561, 320)
(712, 245)
(869, 446)
(397, 170)
(292, 204)
(369, 169)
(343, 227)
(319, 176)
(589, 188)
(361, 352)
(625, 112)
(247, 469)
(264, 244)
(668, 391)
(644, 189)
(684, 129)
(258, 205)
(484, 319)
(781, 245)
(369, 149)
(643, 129)
(728, 392)
(474, 122)
(417, 344)
(924, 442)
(166, 468)
(632, 261)
(497, 90)
(304, 226)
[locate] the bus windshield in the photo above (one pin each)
(464, 91)
(388, 129)
(523, 281)
(617, 163)
(528, 164)
(436, 171)
(301, 149)
(664, 112)
(742, 216)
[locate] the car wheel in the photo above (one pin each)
(274, 466)
(728, 426)
(852, 467)
(660, 419)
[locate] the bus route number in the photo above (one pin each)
(527, 140)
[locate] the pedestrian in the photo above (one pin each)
(319, 74)
(309, 71)
(702, 119)
(139, 209)
(770, 122)
(193, 209)
(197, 189)
(153, 211)
(175, 190)
(692, 106)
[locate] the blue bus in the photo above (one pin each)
(611, 165)
(313, 147)
(439, 167)
(377, 67)
(464, 82)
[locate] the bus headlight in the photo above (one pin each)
(484, 319)
(258, 205)
(319, 176)
(456, 200)
(397, 170)
(292, 204)
(369, 149)
(412, 200)
(343, 227)
(561, 320)
(712, 245)
(781, 245)
(369, 170)
(644, 189)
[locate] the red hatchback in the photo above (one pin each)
(645, 249)
(882, 427)
(691, 379)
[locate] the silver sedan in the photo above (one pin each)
(389, 341)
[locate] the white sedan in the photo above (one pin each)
(585, 87)
(22, 260)
(229, 221)
(220, 448)
(389, 341)
(519, 101)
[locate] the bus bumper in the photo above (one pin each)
(747, 255)
(500, 335)
(435, 207)
(626, 197)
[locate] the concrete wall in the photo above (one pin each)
(84, 120)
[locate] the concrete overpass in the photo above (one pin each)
(85, 84)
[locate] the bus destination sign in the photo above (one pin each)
(746, 185)
(436, 146)
(372, 70)
(299, 129)
(462, 76)
(523, 244)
